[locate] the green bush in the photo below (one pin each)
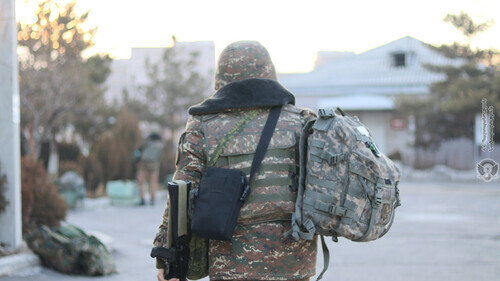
(92, 173)
(69, 152)
(114, 149)
(126, 130)
(65, 166)
(106, 153)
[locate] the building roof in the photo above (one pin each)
(373, 72)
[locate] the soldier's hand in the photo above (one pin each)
(161, 274)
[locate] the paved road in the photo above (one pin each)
(445, 231)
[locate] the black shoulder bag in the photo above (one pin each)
(222, 191)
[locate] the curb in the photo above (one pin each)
(19, 264)
(106, 201)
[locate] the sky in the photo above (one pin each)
(292, 31)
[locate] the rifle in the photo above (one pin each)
(176, 254)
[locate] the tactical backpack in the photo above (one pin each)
(347, 187)
(69, 249)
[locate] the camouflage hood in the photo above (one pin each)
(249, 93)
(242, 60)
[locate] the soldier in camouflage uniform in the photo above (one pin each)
(246, 80)
(148, 166)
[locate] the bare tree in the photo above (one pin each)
(175, 84)
(57, 86)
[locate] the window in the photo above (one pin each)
(399, 59)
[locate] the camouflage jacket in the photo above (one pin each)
(258, 250)
(152, 152)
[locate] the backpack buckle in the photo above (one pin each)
(334, 159)
(377, 201)
(326, 112)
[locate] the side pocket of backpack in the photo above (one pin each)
(379, 196)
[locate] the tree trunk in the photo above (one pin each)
(53, 166)
(32, 145)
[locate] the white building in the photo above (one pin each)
(367, 84)
(128, 74)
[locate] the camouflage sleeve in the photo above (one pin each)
(190, 164)
(307, 114)
(191, 159)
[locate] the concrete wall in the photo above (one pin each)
(388, 139)
(460, 154)
(457, 154)
(10, 220)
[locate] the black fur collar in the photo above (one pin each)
(249, 93)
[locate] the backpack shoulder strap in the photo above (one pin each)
(297, 216)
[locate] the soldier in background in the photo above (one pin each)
(148, 167)
(246, 79)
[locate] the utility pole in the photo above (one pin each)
(10, 220)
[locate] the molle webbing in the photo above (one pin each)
(280, 181)
(249, 116)
(292, 168)
(318, 153)
(285, 195)
(226, 160)
(275, 167)
(275, 179)
(315, 200)
(320, 182)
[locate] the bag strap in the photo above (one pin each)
(326, 258)
(247, 117)
(265, 139)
